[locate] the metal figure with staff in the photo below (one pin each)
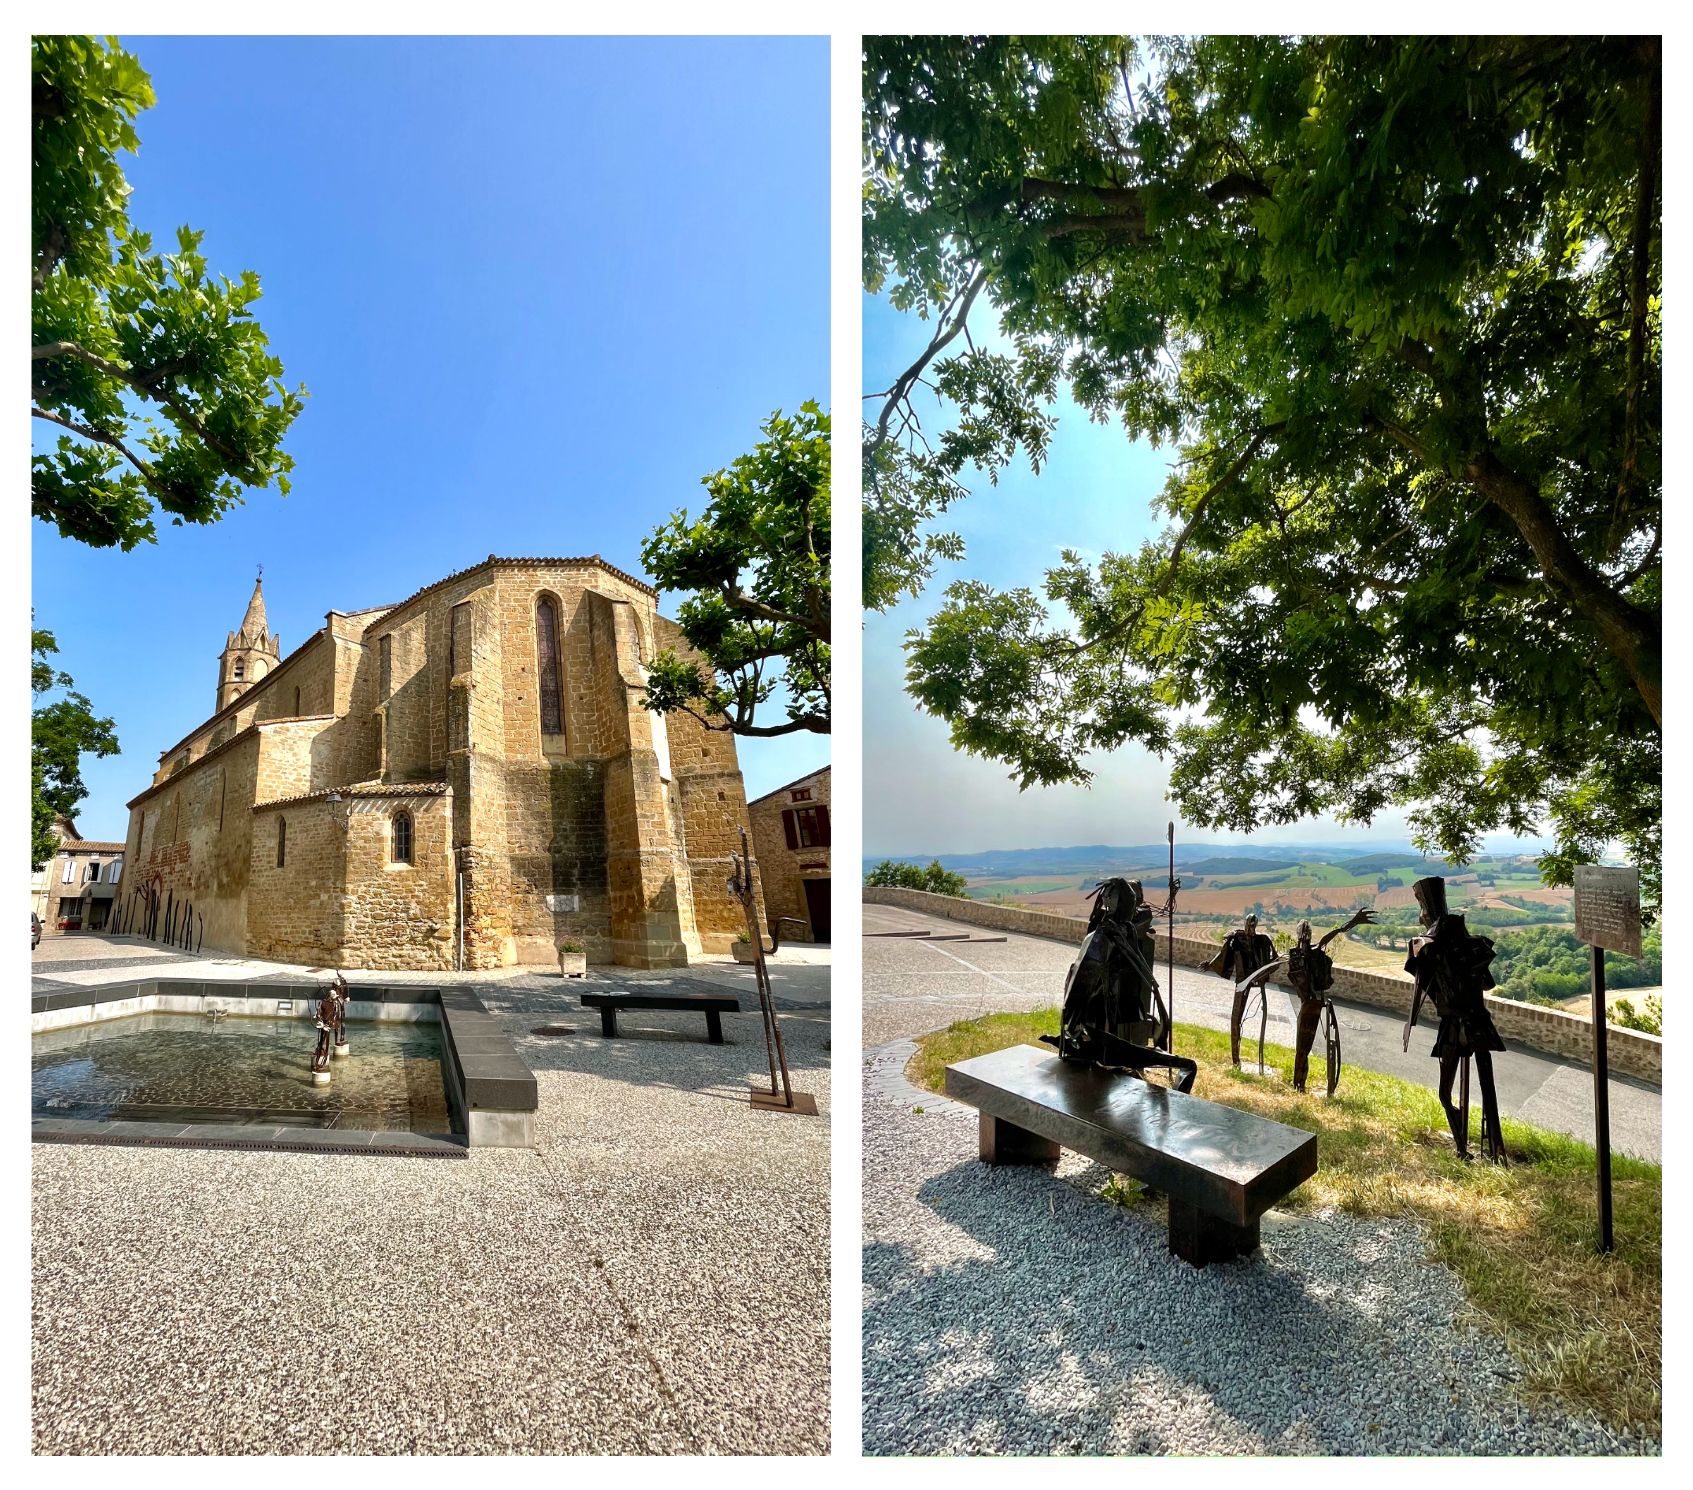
(1451, 967)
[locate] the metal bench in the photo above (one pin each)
(1221, 1168)
(712, 1005)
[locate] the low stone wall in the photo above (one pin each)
(1568, 1036)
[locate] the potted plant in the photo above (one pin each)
(742, 948)
(572, 960)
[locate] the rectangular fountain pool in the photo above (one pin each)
(241, 1071)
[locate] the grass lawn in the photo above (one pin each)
(1587, 1328)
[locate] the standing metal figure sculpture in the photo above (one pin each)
(1311, 972)
(331, 1019)
(783, 1098)
(1113, 1013)
(1451, 967)
(1245, 954)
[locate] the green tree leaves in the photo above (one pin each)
(894, 874)
(1393, 303)
(156, 370)
(757, 560)
(62, 732)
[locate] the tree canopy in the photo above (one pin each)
(155, 371)
(62, 732)
(1394, 303)
(757, 560)
(898, 875)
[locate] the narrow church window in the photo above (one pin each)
(240, 670)
(546, 648)
(402, 837)
(459, 639)
(296, 703)
(281, 841)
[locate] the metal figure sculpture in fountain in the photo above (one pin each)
(1451, 967)
(1113, 1013)
(1242, 954)
(331, 1029)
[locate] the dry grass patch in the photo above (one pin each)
(1587, 1328)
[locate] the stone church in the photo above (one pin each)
(464, 779)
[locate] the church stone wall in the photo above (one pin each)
(398, 915)
(191, 838)
(295, 909)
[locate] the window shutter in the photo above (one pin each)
(822, 825)
(789, 828)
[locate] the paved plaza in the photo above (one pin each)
(652, 1278)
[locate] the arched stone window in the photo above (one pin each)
(240, 669)
(281, 842)
(402, 837)
(546, 666)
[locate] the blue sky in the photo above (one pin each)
(1093, 495)
(536, 288)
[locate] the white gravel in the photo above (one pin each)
(654, 1279)
(1014, 1311)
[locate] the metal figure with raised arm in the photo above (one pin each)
(1310, 970)
(1451, 967)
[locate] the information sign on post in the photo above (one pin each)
(1607, 915)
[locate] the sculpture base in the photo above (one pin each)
(320, 1078)
(805, 1105)
(343, 1050)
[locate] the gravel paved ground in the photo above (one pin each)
(653, 1279)
(1014, 1311)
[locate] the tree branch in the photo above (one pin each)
(959, 311)
(99, 438)
(1227, 478)
(737, 599)
(144, 383)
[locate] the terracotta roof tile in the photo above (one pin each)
(363, 789)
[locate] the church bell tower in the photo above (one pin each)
(250, 652)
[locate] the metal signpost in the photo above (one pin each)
(1170, 945)
(1607, 915)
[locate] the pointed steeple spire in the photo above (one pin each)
(254, 624)
(251, 652)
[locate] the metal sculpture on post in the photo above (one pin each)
(785, 1098)
(1114, 1015)
(331, 1018)
(1247, 956)
(1451, 968)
